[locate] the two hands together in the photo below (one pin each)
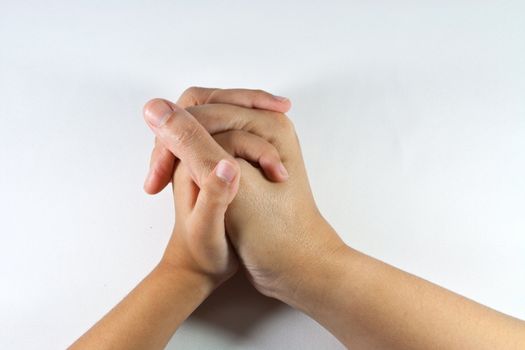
(242, 197)
(240, 172)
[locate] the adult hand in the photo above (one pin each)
(291, 253)
(276, 228)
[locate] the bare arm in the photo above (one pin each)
(150, 314)
(368, 304)
(198, 257)
(291, 253)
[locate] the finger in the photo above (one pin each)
(161, 169)
(216, 193)
(162, 159)
(254, 149)
(185, 191)
(183, 136)
(260, 99)
(216, 118)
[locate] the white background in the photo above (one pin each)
(411, 116)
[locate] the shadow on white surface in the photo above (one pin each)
(235, 310)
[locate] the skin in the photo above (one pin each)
(291, 253)
(163, 161)
(198, 257)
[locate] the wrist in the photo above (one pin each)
(325, 272)
(210, 270)
(181, 278)
(310, 268)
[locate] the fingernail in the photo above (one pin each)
(280, 98)
(283, 170)
(157, 112)
(225, 171)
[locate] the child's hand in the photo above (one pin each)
(198, 258)
(199, 242)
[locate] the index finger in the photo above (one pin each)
(247, 98)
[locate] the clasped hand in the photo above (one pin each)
(240, 185)
(242, 197)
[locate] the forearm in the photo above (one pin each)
(148, 316)
(370, 305)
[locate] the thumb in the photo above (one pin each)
(185, 137)
(216, 193)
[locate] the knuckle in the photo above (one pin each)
(270, 151)
(208, 165)
(186, 135)
(191, 90)
(214, 96)
(288, 125)
(204, 166)
(214, 194)
(201, 95)
(282, 122)
(260, 95)
(189, 96)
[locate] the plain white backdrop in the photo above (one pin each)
(411, 117)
